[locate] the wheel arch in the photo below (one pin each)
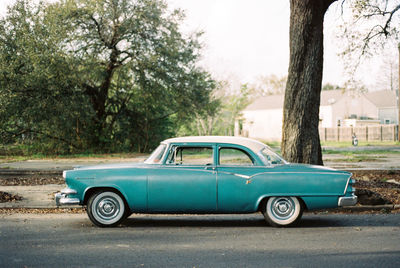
(263, 200)
(90, 191)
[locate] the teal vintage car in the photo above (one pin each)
(209, 174)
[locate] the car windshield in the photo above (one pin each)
(270, 158)
(156, 155)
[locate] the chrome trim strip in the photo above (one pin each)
(348, 182)
(239, 175)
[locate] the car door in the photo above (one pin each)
(186, 182)
(236, 190)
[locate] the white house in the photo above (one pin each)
(262, 119)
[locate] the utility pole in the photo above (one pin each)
(398, 101)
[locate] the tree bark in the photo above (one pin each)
(300, 137)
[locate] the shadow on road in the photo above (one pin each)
(245, 221)
(183, 221)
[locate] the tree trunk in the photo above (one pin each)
(300, 137)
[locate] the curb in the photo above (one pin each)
(14, 206)
(28, 172)
(365, 208)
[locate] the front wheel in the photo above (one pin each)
(106, 209)
(282, 211)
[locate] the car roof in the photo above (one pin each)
(254, 145)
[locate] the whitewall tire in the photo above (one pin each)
(106, 209)
(280, 211)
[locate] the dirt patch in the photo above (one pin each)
(377, 187)
(31, 180)
(10, 211)
(6, 197)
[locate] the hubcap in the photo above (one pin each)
(283, 208)
(107, 208)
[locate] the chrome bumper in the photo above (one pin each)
(347, 201)
(62, 198)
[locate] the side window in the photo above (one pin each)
(190, 156)
(234, 157)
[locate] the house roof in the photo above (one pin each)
(270, 102)
(329, 97)
(266, 103)
(382, 99)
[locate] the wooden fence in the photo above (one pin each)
(364, 133)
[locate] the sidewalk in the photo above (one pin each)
(37, 196)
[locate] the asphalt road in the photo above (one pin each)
(70, 240)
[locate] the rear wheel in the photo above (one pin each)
(282, 211)
(106, 209)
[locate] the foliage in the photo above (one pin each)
(388, 72)
(370, 28)
(98, 75)
(270, 85)
(221, 113)
(329, 86)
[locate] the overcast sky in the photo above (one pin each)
(249, 38)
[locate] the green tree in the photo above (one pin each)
(220, 114)
(127, 74)
(329, 86)
(37, 93)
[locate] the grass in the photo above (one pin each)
(359, 158)
(342, 144)
(355, 153)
